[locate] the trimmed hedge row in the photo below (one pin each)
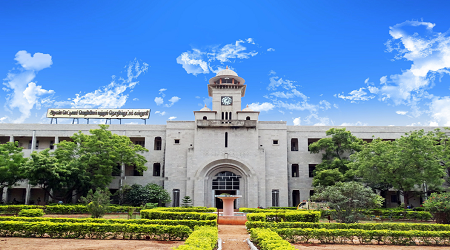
(298, 216)
(93, 230)
(203, 238)
(363, 226)
(262, 210)
(188, 209)
(36, 212)
(61, 209)
(400, 214)
(266, 239)
(156, 214)
(349, 236)
(190, 223)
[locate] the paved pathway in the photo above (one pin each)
(233, 237)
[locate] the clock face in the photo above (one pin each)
(227, 100)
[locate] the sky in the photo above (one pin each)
(333, 63)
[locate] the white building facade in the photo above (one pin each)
(226, 149)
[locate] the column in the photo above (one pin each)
(27, 194)
(33, 141)
(11, 138)
(56, 142)
(5, 195)
(74, 196)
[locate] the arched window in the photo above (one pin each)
(157, 143)
(226, 180)
(226, 139)
(205, 118)
(248, 118)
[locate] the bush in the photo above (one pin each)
(153, 214)
(139, 195)
(439, 205)
(203, 238)
(303, 216)
(266, 239)
(92, 230)
(97, 203)
(188, 209)
(37, 212)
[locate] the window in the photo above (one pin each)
(394, 198)
(157, 143)
(141, 143)
(295, 172)
(136, 172)
(311, 193)
(156, 169)
(37, 145)
(294, 144)
(177, 141)
(295, 198)
(248, 118)
(226, 139)
(225, 180)
(311, 141)
(223, 116)
(275, 142)
(29, 144)
(226, 115)
(52, 146)
(311, 169)
(229, 116)
(176, 198)
(205, 118)
(275, 198)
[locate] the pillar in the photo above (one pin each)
(5, 195)
(11, 138)
(56, 142)
(27, 194)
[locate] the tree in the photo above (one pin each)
(85, 163)
(407, 163)
(186, 201)
(348, 199)
(139, 195)
(11, 162)
(336, 150)
(439, 205)
(97, 203)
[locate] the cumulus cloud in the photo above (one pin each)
(265, 106)
(25, 94)
(297, 121)
(172, 118)
(114, 94)
(440, 110)
(401, 112)
(159, 100)
(172, 101)
(160, 113)
(212, 59)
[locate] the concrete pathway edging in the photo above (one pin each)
(250, 244)
(219, 244)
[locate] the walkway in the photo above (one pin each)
(233, 237)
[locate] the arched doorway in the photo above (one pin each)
(225, 182)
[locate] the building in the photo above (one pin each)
(225, 149)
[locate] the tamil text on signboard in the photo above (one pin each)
(99, 113)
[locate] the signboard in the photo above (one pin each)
(99, 113)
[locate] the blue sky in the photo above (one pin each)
(305, 62)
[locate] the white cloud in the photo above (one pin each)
(161, 92)
(172, 118)
(297, 121)
(172, 101)
(270, 49)
(212, 59)
(266, 106)
(401, 112)
(4, 119)
(36, 62)
(112, 95)
(324, 105)
(135, 99)
(25, 93)
(322, 121)
(300, 106)
(356, 95)
(159, 100)
(383, 80)
(276, 82)
(440, 110)
(434, 124)
(160, 113)
(335, 106)
(358, 123)
(287, 95)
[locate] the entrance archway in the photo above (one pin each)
(225, 182)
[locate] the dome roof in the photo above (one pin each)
(226, 72)
(205, 109)
(247, 108)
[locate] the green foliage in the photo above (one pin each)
(37, 212)
(11, 162)
(139, 195)
(85, 163)
(266, 239)
(336, 150)
(203, 238)
(93, 230)
(186, 201)
(97, 203)
(348, 199)
(153, 214)
(188, 209)
(265, 210)
(304, 216)
(438, 203)
(404, 164)
(364, 226)
(350, 236)
(190, 223)
(61, 209)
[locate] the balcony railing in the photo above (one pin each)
(226, 123)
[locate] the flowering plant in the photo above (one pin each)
(438, 203)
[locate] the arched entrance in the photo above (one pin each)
(225, 182)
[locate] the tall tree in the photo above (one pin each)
(11, 162)
(336, 150)
(85, 163)
(406, 163)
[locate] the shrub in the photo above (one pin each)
(303, 216)
(203, 238)
(37, 212)
(269, 240)
(439, 204)
(139, 195)
(188, 209)
(153, 214)
(97, 203)
(186, 201)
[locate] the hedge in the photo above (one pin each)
(266, 239)
(190, 223)
(93, 230)
(399, 214)
(203, 238)
(188, 209)
(349, 236)
(364, 226)
(36, 212)
(262, 210)
(155, 214)
(299, 216)
(61, 209)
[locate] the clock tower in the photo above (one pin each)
(226, 89)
